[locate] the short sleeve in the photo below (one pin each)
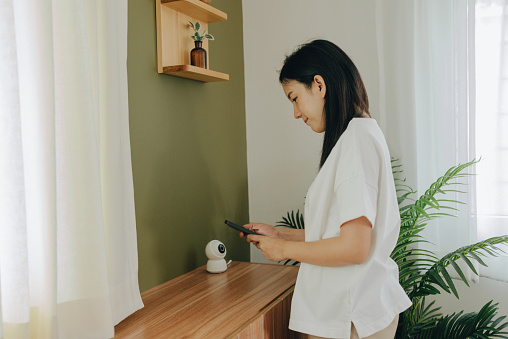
(356, 198)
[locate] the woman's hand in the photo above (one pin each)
(263, 229)
(272, 248)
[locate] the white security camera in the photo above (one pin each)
(216, 251)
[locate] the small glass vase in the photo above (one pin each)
(198, 55)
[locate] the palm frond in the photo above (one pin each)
(430, 205)
(470, 325)
(438, 274)
(403, 191)
(412, 266)
(428, 200)
(292, 220)
(422, 317)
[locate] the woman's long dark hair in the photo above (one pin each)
(345, 97)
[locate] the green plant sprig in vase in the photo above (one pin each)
(198, 55)
(199, 36)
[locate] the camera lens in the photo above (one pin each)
(222, 249)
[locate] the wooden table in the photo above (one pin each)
(249, 300)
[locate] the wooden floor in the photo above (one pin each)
(203, 305)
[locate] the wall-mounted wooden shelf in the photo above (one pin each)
(174, 41)
(195, 73)
(197, 9)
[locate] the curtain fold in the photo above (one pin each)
(426, 61)
(444, 109)
(68, 252)
(491, 126)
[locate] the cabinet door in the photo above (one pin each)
(273, 323)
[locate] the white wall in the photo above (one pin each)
(283, 153)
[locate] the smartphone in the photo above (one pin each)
(239, 228)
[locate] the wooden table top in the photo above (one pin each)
(199, 304)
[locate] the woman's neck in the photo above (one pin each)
(363, 115)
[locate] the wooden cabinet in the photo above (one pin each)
(174, 41)
(247, 301)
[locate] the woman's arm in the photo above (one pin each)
(350, 248)
(291, 234)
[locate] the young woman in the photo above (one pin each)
(348, 285)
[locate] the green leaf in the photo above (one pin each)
(468, 262)
(198, 26)
(191, 24)
(209, 37)
(422, 211)
(403, 197)
(459, 271)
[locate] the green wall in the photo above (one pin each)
(188, 149)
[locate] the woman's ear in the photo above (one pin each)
(320, 85)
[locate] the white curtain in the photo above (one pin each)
(492, 126)
(426, 62)
(68, 252)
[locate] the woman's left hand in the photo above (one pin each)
(272, 248)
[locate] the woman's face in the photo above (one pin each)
(308, 103)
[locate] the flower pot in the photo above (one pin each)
(198, 55)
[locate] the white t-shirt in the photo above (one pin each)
(356, 180)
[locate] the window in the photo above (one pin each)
(491, 130)
(492, 117)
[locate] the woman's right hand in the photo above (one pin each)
(263, 229)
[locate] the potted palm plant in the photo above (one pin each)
(422, 274)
